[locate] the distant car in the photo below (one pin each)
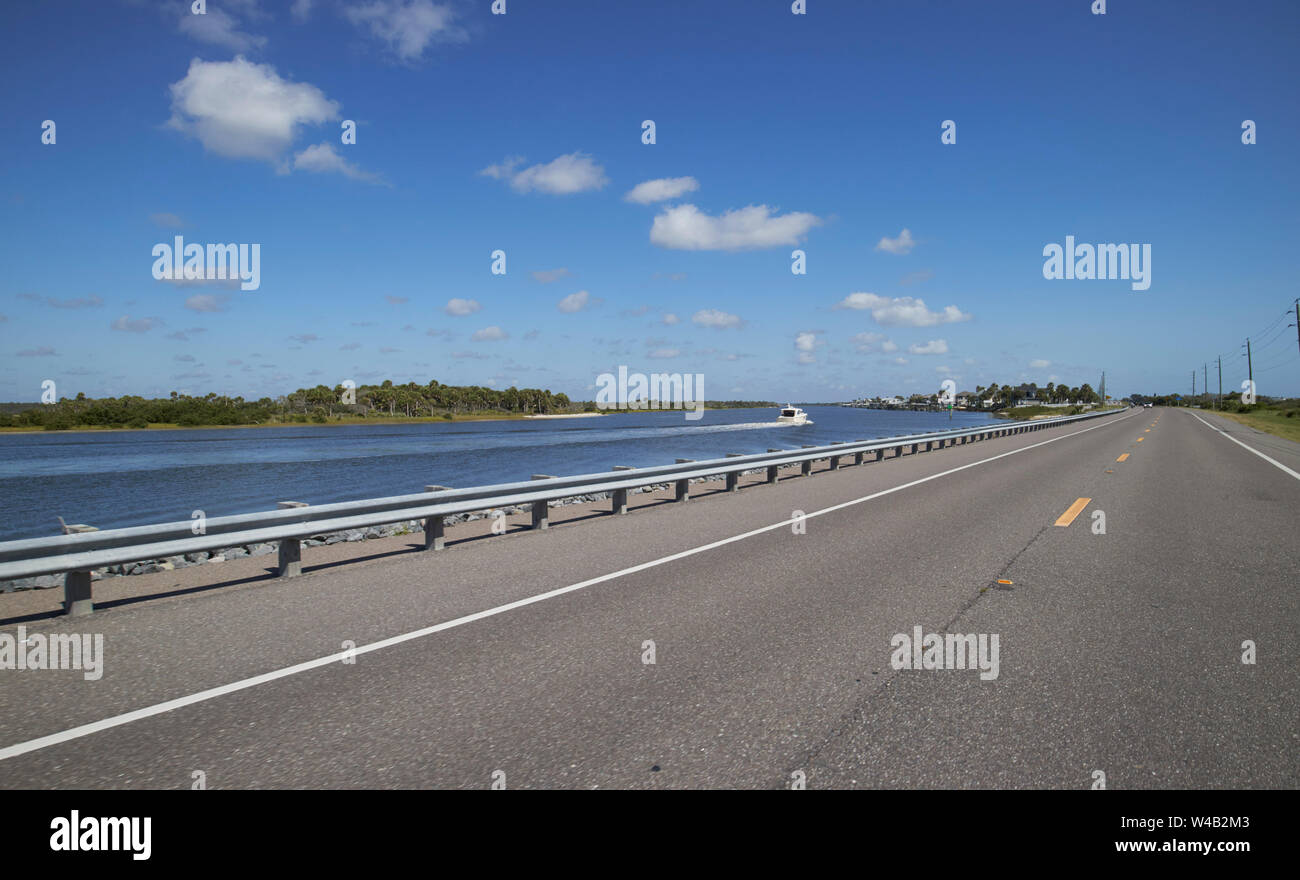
(1147, 405)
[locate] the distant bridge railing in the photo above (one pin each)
(77, 555)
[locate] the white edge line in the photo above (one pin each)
(243, 684)
(1272, 461)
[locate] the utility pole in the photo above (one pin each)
(1219, 404)
(1250, 370)
(1296, 325)
(1205, 374)
(1193, 383)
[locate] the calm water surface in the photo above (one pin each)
(123, 478)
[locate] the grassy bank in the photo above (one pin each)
(1283, 423)
(1028, 413)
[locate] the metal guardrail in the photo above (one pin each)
(76, 555)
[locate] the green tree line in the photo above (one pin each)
(318, 404)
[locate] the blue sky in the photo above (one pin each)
(523, 133)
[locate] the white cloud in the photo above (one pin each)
(547, 276)
(661, 353)
(651, 191)
(575, 302)
(407, 26)
(806, 344)
(206, 302)
(218, 29)
(564, 175)
(461, 307)
(900, 360)
(1040, 364)
(490, 334)
(687, 228)
(866, 343)
(901, 310)
(139, 325)
(901, 245)
(301, 9)
(170, 221)
(505, 170)
(243, 110)
(717, 319)
(324, 159)
(670, 318)
(934, 346)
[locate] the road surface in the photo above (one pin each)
(522, 660)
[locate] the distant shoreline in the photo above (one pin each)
(581, 415)
(416, 420)
(336, 423)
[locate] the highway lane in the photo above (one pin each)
(1120, 652)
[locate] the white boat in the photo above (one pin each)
(792, 415)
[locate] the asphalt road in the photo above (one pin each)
(1119, 653)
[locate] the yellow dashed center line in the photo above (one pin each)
(1074, 510)
(1122, 457)
(1140, 439)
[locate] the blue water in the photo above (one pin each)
(122, 478)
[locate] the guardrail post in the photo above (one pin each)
(733, 477)
(835, 459)
(773, 471)
(880, 453)
(620, 495)
(805, 466)
(77, 599)
(542, 507)
(290, 564)
(681, 488)
(290, 558)
(914, 447)
(435, 527)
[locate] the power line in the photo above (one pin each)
(1282, 363)
(1280, 317)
